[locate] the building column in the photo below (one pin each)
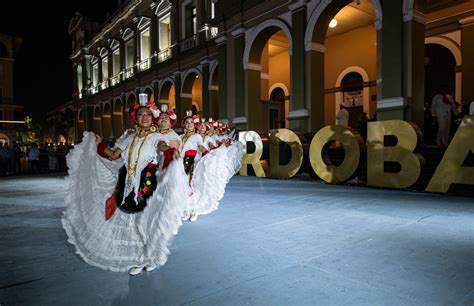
(136, 50)
(240, 120)
(206, 108)
(255, 116)
(175, 27)
(298, 115)
(314, 92)
(122, 59)
(88, 117)
(414, 67)
(467, 51)
(264, 75)
(177, 96)
(391, 103)
(201, 14)
(154, 35)
(220, 105)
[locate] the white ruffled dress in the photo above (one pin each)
(125, 240)
(211, 175)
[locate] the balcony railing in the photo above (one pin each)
(211, 32)
(144, 65)
(115, 79)
(93, 89)
(104, 85)
(188, 43)
(163, 55)
(129, 72)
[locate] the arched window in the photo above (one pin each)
(278, 94)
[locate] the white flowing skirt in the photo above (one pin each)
(125, 240)
(211, 175)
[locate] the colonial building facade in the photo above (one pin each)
(10, 120)
(271, 64)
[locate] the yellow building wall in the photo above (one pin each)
(197, 93)
(448, 11)
(354, 48)
(171, 98)
(279, 70)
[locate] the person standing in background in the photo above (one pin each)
(442, 108)
(342, 116)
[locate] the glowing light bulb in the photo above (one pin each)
(333, 23)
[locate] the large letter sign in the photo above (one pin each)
(322, 166)
(253, 158)
(450, 169)
(401, 153)
(291, 139)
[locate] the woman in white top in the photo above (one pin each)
(143, 178)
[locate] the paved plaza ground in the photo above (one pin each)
(272, 242)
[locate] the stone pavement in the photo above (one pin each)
(272, 242)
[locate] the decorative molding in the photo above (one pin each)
(414, 15)
(253, 66)
(221, 39)
(144, 22)
(298, 114)
(297, 5)
(238, 32)
(391, 102)
(186, 95)
(265, 76)
(466, 21)
(239, 120)
(315, 47)
(214, 87)
(204, 62)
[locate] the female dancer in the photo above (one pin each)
(142, 179)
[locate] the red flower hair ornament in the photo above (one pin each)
(143, 102)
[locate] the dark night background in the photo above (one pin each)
(42, 69)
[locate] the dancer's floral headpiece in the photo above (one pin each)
(143, 102)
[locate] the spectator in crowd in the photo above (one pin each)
(33, 157)
(342, 116)
(52, 157)
(16, 158)
(442, 108)
(3, 160)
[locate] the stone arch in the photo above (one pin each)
(324, 12)
(448, 44)
(107, 121)
(191, 90)
(150, 92)
(259, 36)
(168, 92)
(365, 91)
(97, 118)
(118, 117)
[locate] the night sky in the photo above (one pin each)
(42, 70)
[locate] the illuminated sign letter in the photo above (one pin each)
(401, 153)
(291, 139)
(252, 158)
(450, 169)
(322, 165)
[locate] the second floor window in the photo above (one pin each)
(95, 74)
(105, 68)
(129, 54)
(145, 44)
(164, 32)
(116, 62)
(190, 19)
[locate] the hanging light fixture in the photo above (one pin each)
(333, 23)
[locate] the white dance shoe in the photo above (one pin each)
(136, 270)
